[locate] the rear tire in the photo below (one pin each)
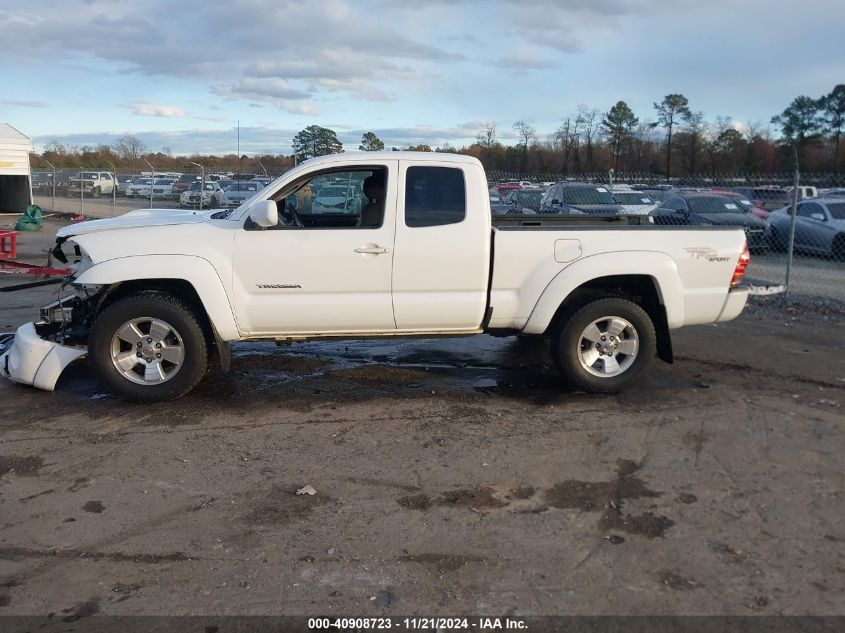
(605, 346)
(148, 347)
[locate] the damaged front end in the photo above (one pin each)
(39, 351)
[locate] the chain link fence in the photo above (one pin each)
(794, 223)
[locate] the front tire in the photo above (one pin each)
(837, 248)
(605, 346)
(148, 347)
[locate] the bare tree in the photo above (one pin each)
(487, 137)
(590, 123)
(129, 148)
(527, 132)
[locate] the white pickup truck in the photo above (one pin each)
(158, 294)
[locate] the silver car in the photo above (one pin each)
(819, 227)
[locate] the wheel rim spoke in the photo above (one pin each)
(628, 347)
(126, 361)
(617, 326)
(172, 353)
(592, 333)
(611, 366)
(590, 356)
(159, 330)
(153, 372)
(129, 332)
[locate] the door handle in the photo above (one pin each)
(373, 250)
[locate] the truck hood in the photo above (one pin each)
(135, 219)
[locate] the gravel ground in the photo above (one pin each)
(452, 477)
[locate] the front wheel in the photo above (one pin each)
(148, 346)
(604, 346)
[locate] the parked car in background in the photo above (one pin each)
(183, 183)
(505, 188)
(237, 192)
(524, 200)
(42, 182)
(833, 193)
(163, 188)
(804, 192)
(497, 204)
(210, 197)
(707, 209)
(634, 202)
(767, 198)
(92, 183)
(341, 197)
(139, 186)
(819, 227)
(742, 200)
(579, 197)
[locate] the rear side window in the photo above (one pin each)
(434, 196)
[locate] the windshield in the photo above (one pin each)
(587, 195)
(714, 204)
(632, 197)
(163, 182)
(837, 210)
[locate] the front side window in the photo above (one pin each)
(335, 199)
(434, 196)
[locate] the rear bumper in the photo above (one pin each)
(32, 360)
(734, 304)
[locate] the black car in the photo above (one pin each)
(521, 199)
(579, 198)
(703, 209)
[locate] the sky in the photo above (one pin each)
(181, 74)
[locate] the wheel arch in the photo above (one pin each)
(190, 278)
(640, 289)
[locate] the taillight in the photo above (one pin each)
(741, 265)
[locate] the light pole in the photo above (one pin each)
(264, 169)
(152, 179)
(202, 181)
(113, 187)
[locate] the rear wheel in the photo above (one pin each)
(604, 346)
(148, 346)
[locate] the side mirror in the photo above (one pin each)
(818, 216)
(264, 213)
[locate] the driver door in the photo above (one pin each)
(318, 271)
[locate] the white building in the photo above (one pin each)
(15, 186)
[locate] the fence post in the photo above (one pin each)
(152, 179)
(791, 246)
(113, 187)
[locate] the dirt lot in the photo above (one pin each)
(452, 476)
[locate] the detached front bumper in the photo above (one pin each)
(32, 360)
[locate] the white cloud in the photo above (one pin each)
(152, 109)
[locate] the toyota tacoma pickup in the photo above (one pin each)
(156, 296)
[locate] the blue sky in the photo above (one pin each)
(180, 73)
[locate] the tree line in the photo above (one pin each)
(672, 140)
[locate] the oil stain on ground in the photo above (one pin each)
(20, 465)
(282, 505)
(440, 563)
(608, 497)
(481, 498)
